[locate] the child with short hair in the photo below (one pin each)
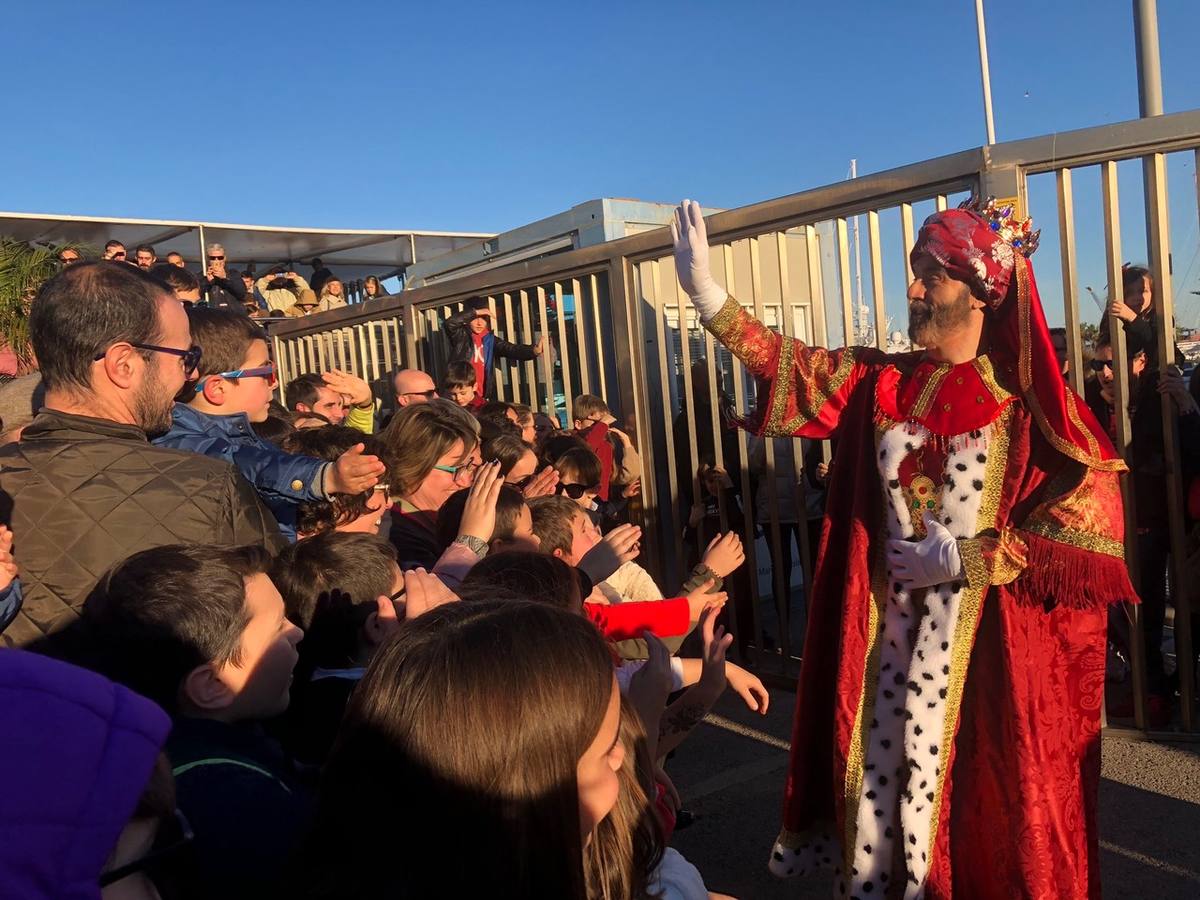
(621, 466)
(233, 390)
(202, 632)
(459, 385)
(341, 588)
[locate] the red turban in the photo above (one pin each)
(988, 251)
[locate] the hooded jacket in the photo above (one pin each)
(79, 751)
(462, 348)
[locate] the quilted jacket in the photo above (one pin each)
(81, 494)
(281, 479)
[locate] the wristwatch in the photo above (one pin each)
(478, 547)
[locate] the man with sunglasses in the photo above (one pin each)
(233, 391)
(84, 486)
(222, 289)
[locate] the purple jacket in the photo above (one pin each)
(77, 753)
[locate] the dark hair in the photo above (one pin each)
(163, 612)
(526, 574)
(85, 309)
(177, 279)
(495, 409)
(225, 335)
(507, 448)
(114, 243)
(558, 444)
(508, 507)
(303, 389)
(492, 428)
(552, 518)
(329, 585)
(1059, 332)
(171, 253)
(328, 443)
(583, 462)
(273, 428)
(459, 374)
(1131, 277)
(146, 248)
(474, 712)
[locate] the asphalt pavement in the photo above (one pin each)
(731, 771)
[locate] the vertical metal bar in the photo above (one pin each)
(601, 369)
(203, 256)
(1145, 35)
(527, 329)
(849, 338)
(981, 31)
(1112, 248)
(941, 202)
(812, 243)
(682, 305)
(655, 298)
(581, 346)
(564, 357)
(320, 344)
(385, 341)
(907, 239)
(877, 280)
(306, 360)
(279, 354)
(1157, 214)
(373, 338)
(748, 538)
(547, 352)
(1070, 280)
(780, 580)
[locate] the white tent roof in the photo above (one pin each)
(349, 253)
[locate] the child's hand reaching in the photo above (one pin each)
(353, 472)
(542, 485)
(716, 642)
(748, 687)
(700, 599)
(724, 554)
(479, 513)
(619, 546)
(424, 591)
(8, 565)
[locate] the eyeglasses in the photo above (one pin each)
(428, 395)
(575, 491)
(462, 474)
(267, 372)
(1099, 365)
(215, 258)
(174, 836)
(190, 357)
(120, 255)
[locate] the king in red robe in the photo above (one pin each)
(947, 730)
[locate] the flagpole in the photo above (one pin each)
(981, 30)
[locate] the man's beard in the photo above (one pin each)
(929, 323)
(152, 405)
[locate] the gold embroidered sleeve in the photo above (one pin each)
(993, 559)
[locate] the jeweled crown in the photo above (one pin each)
(1018, 233)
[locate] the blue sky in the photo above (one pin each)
(485, 116)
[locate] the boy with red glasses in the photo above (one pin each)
(233, 390)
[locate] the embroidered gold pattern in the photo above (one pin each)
(729, 327)
(781, 389)
(803, 417)
(1079, 512)
(921, 407)
(970, 604)
(987, 375)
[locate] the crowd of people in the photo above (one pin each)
(279, 292)
(293, 647)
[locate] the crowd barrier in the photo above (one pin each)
(619, 325)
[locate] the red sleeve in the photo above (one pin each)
(802, 390)
(625, 621)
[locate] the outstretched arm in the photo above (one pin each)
(802, 389)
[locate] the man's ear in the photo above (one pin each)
(558, 552)
(303, 407)
(382, 622)
(120, 366)
(204, 689)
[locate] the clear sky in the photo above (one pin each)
(485, 116)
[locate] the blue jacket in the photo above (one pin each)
(10, 603)
(281, 479)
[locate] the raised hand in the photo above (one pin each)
(690, 238)
(348, 385)
(716, 643)
(8, 565)
(353, 472)
(423, 592)
(724, 554)
(748, 687)
(479, 514)
(700, 599)
(542, 485)
(621, 545)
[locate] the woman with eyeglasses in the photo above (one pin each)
(436, 448)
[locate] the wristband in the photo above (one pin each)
(477, 546)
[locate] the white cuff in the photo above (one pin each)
(709, 299)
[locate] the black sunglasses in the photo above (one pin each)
(428, 395)
(575, 491)
(190, 357)
(173, 837)
(215, 258)
(1099, 365)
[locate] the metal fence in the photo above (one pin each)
(617, 324)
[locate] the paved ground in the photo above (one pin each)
(731, 774)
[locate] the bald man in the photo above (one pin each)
(412, 386)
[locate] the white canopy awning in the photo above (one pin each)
(351, 254)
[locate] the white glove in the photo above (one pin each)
(691, 260)
(934, 560)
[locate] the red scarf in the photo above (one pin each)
(596, 437)
(480, 365)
